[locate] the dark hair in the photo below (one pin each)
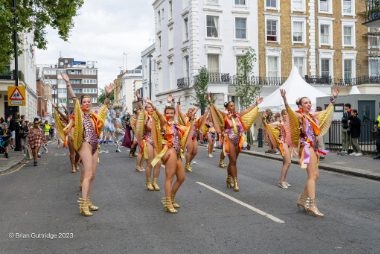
(299, 101)
(348, 105)
(284, 112)
(355, 111)
(168, 107)
(84, 96)
(227, 103)
(318, 108)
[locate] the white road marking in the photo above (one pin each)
(256, 210)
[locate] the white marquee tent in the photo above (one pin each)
(295, 87)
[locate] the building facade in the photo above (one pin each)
(191, 34)
(148, 73)
(130, 83)
(27, 78)
(83, 77)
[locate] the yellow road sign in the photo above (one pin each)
(16, 95)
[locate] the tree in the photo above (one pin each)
(102, 96)
(245, 91)
(34, 16)
(200, 87)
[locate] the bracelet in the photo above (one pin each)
(332, 99)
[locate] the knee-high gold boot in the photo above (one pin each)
(311, 207)
(168, 205)
(83, 207)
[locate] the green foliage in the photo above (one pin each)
(200, 87)
(34, 16)
(102, 96)
(245, 91)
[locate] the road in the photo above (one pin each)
(212, 219)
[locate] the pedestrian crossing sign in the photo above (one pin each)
(16, 96)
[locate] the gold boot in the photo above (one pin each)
(222, 164)
(168, 205)
(91, 206)
(83, 207)
(149, 185)
(311, 207)
(188, 167)
(301, 201)
(229, 182)
(155, 185)
(174, 203)
(236, 186)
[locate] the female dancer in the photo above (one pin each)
(305, 128)
(234, 124)
(279, 136)
(144, 137)
(87, 128)
(192, 145)
(169, 148)
(135, 144)
(211, 136)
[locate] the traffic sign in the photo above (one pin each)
(16, 95)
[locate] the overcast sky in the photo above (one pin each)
(103, 30)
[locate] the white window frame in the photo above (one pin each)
(272, 8)
(325, 22)
(326, 54)
(330, 11)
(370, 59)
(303, 9)
(219, 61)
(300, 53)
(240, 5)
(218, 27)
(349, 55)
(353, 34)
(303, 20)
(352, 8)
(246, 28)
(278, 27)
(274, 52)
(186, 28)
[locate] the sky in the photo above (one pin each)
(103, 31)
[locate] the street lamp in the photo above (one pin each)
(150, 76)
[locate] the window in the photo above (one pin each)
(187, 65)
(373, 41)
(213, 63)
(170, 9)
(298, 29)
(272, 34)
(299, 62)
(325, 68)
(212, 1)
(241, 28)
(159, 41)
(348, 7)
(348, 69)
(324, 34)
(240, 2)
(271, 4)
(94, 100)
(374, 67)
(298, 5)
(212, 26)
(186, 23)
(324, 5)
(348, 40)
(159, 18)
(273, 66)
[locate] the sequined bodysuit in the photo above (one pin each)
(89, 132)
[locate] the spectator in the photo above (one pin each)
(46, 128)
(23, 133)
(377, 127)
(355, 125)
(12, 127)
(346, 138)
(35, 139)
(5, 139)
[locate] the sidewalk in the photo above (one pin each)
(14, 159)
(363, 166)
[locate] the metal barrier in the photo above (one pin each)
(367, 139)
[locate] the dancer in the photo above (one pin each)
(87, 129)
(279, 136)
(119, 132)
(305, 129)
(234, 124)
(169, 148)
(211, 136)
(144, 137)
(135, 144)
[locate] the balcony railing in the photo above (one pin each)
(10, 75)
(218, 78)
(183, 83)
(373, 11)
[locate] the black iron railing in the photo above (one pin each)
(372, 11)
(10, 75)
(183, 83)
(367, 140)
(218, 78)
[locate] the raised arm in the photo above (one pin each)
(258, 101)
(63, 116)
(180, 114)
(70, 90)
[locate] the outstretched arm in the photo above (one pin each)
(258, 101)
(334, 94)
(70, 90)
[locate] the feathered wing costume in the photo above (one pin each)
(304, 134)
(279, 134)
(97, 119)
(233, 125)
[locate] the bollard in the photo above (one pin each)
(260, 137)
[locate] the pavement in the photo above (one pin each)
(15, 158)
(39, 212)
